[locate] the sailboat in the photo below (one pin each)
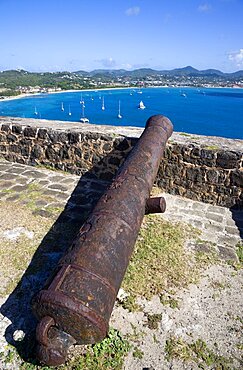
(69, 110)
(141, 105)
(119, 110)
(62, 108)
(36, 111)
(83, 119)
(81, 99)
(103, 103)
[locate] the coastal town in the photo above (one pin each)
(19, 82)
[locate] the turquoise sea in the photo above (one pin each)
(205, 111)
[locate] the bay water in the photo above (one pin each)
(205, 111)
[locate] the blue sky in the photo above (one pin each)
(54, 35)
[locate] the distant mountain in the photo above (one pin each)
(188, 71)
(237, 74)
(192, 72)
(185, 71)
(81, 73)
(210, 72)
(14, 72)
(114, 72)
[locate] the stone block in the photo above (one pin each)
(17, 129)
(171, 170)
(196, 152)
(86, 156)
(36, 152)
(91, 136)
(232, 230)
(78, 152)
(25, 151)
(122, 144)
(227, 254)
(208, 158)
(58, 137)
(228, 159)
(213, 227)
(212, 176)
(228, 240)
(74, 137)
(107, 147)
(190, 194)
(64, 152)
(214, 216)
(106, 137)
(11, 157)
(216, 209)
(42, 133)
(3, 149)
(15, 148)
(5, 128)
(25, 142)
(196, 174)
(177, 148)
(30, 131)
(51, 153)
(236, 178)
(58, 187)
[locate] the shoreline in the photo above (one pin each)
(21, 96)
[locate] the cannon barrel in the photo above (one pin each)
(75, 307)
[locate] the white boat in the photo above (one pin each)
(103, 103)
(62, 108)
(141, 105)
(184, 95)
(139, 92)
(84, 119)
(69, 111)
(119, 110)
(36, 111)
(81, 99)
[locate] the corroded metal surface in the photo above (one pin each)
(77, 304)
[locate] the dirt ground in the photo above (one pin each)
(194, 326)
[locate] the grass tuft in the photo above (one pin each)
(106, 355)
(159, 261)
(197, 352)
(239, 252)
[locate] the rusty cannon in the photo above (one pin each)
(76, 305)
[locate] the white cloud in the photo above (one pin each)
(126, 65)
(204, 8)
(237, 57)
(107, 62)
(135, 10)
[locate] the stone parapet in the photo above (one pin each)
(208, 169)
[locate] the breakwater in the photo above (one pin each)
(208, 169)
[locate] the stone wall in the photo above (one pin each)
(208, 169)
